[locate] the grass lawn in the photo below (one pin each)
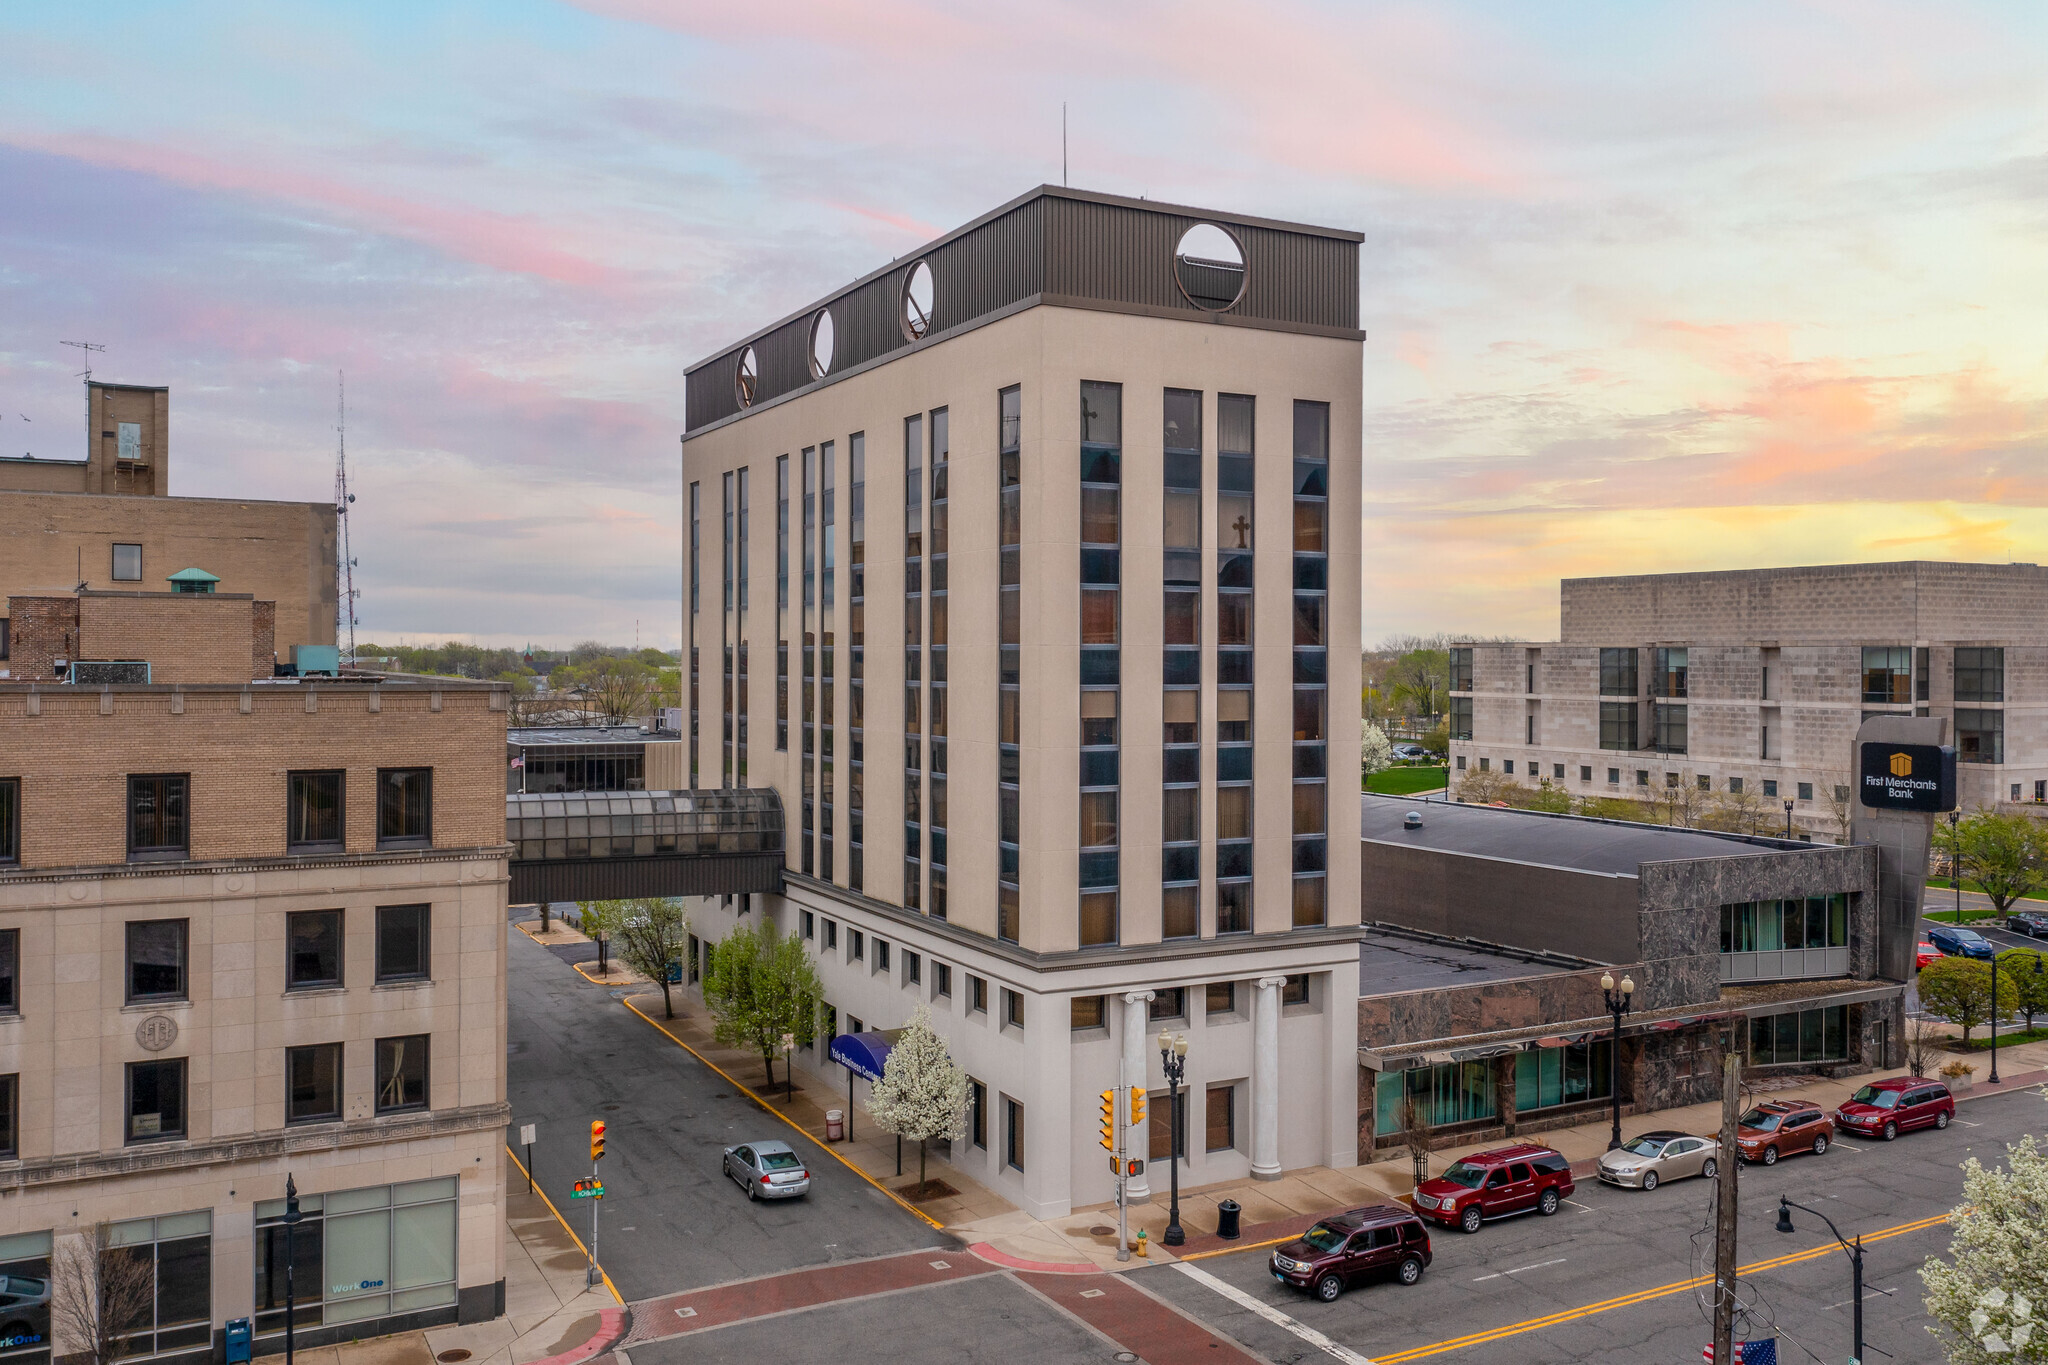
(1943, 884)
(1943, 913)
(1405, 781)
(1980, 1038)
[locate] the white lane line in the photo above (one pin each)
(1870, 1293)
(1577, 1205)
(1519, 1269)
(1967, 1124)
(1271, 1314)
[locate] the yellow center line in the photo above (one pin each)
(616, 1295)
(1641, 1296)
(752, 1094)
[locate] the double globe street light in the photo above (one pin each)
(1617, 1005)
(1173, 1060)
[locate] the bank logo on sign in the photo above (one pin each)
(1902, 765)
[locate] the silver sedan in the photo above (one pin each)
(767, 1170)
(1648, 1160)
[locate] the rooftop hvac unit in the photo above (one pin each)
(105, 672)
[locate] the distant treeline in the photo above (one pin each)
(458, 660)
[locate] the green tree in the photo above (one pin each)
(650, 932)
(758, 986)
(1958, 990)
(1418, 682)
(1548, 796)
(1481, 787)
(2005, 855)
(619, 690)
(2028, 968)
(1990, 1297)
(923, 1091)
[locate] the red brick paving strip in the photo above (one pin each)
(722, 1304)
(1136, 1321)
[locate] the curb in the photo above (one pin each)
(612, 1325)
(989, 1253)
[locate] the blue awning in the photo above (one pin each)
(864, 1053)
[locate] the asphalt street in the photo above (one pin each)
(1608, 1243)
(668, 1220)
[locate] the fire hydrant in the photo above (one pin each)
(1141, 1244)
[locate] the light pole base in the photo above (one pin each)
(1173, 1236)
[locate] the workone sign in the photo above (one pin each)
(1918, 777)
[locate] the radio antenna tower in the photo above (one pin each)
(87, 347)
(345, 613)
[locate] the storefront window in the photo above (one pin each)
(1572, 1074)
(1815, 1035)
(177, 1253)
(25, 1327)
(1446, 1093)
(359, 1254)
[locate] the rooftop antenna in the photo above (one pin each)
(345, 614)
(88, 347)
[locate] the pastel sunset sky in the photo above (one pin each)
(1649, 287)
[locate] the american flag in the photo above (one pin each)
(1761, 1352)
(519, 762)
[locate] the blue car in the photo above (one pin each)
(1955, 941)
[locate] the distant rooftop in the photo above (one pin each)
(1613, 847)
(1391, 960)
(586, 734)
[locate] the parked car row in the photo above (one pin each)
(1386, 1240)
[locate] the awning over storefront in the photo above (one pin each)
(864, 1054)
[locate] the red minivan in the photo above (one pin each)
(1888, 1108)
(1495, 1184)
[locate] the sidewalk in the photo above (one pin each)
(549, 1315)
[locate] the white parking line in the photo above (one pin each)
(1520, 1268)
(1271, 1314)
(1577, 1205)
(1847, 1146)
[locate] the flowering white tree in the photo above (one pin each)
(1376, 751)
(923, 1092)
(1991, 1292)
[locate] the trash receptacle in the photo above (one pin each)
(239, 1341)
(1226, 1218)
(835, 1125)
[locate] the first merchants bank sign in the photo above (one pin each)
(1912, 777)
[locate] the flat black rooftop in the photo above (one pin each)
(586, 734)
(1611, 847)
(1393, 960)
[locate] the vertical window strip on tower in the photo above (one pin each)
(740, 556)
(828, 562)
(913, 662)
(1101, 662)
(856, 667)
(781, 603)
(935, 713)
(809, 682)
(725, 631)
(1009, 683)
(1311, 662)
(696, 572)
(1235, 414)
(1181, 669)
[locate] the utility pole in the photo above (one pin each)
(1727, 1163)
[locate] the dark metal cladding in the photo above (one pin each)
(615, 845)
(1054, 246)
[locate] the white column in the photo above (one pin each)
(1137, 1037)
(1266, 1079)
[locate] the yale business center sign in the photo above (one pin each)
(1912, 777)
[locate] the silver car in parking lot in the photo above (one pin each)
(1649, 1159)
(767, 1170)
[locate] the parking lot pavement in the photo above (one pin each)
(669, 1220)
(1607, 1279)
(2004, 938)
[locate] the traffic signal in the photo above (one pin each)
(597, 1139)
(1109, 1120)
(1137, 1104)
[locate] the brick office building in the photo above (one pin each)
(250, 928)
(108, 523)
(1751, 683)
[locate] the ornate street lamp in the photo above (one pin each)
(1788, 819)
(1173, 1060)
(1617, 1005)
(291, 1220)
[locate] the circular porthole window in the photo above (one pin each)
(1208, 265)
(917, 301)
(746, 380)
(821, 343)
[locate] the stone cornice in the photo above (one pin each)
(326, 1137)
(13, 876)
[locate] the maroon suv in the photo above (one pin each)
(1887, 1108)
(1369, 1242)
(1506, 1180)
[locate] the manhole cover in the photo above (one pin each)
(458, 1355)
(1100, 1231)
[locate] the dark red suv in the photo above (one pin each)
(1887, 1108)
(1368, 1242)
(1494, 1184)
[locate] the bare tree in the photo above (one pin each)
(1835, 799)
(1922, 1043)
(102, 1293)
(1417, 1134)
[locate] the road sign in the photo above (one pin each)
(587, 1189)
(526, 1134)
